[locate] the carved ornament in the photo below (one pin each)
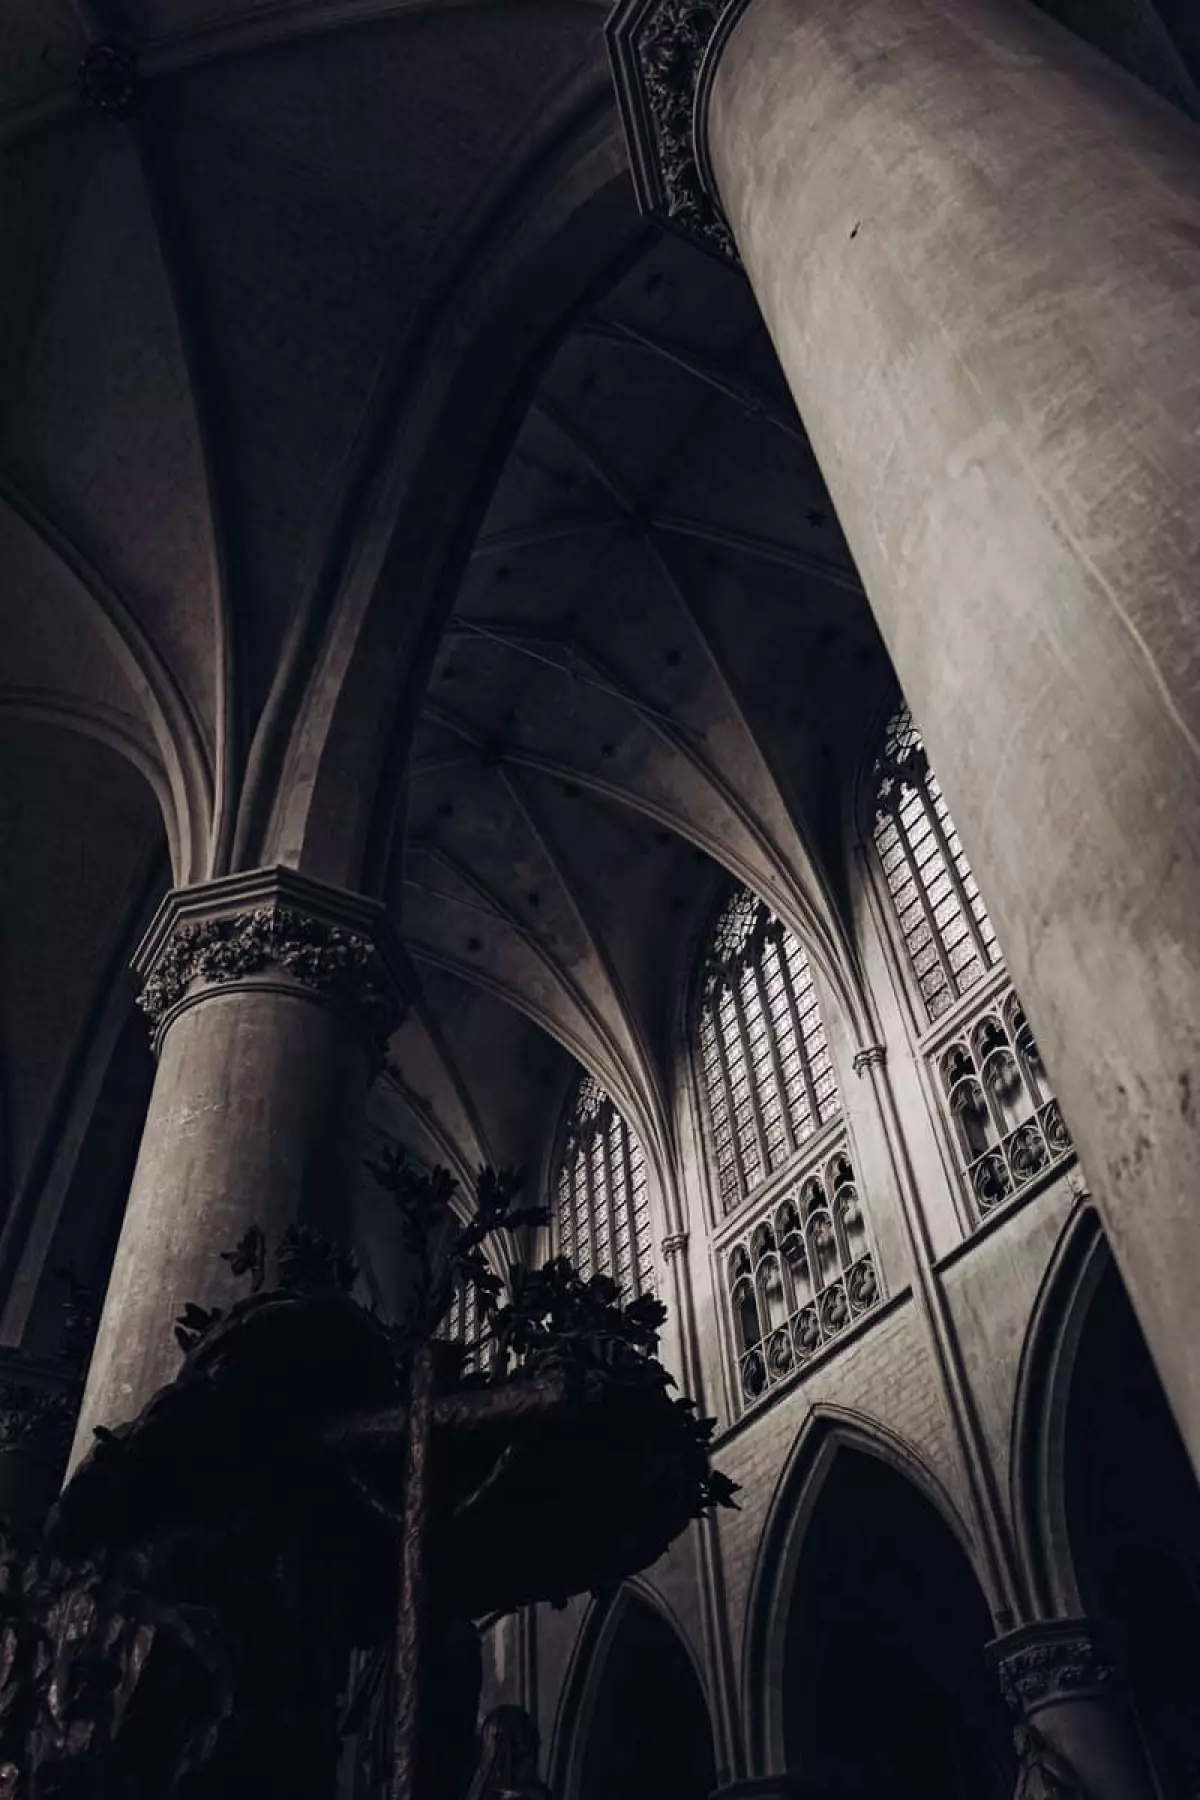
(1055, 1664)
(272, 922)
(871, 1056)
(662, 52)
(108, 78)
(327, 959)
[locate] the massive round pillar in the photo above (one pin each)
(977, 246)
(271, 999)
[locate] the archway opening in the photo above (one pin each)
(1132, 1508)
(648, 1731)
(886, 1687)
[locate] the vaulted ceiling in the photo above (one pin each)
(214, 313)
(602, 738)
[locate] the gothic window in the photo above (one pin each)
(764, 1062)
(947, 933)
(465, 1324)
(800, 1276)
(1006, 1122)
(602, 1202)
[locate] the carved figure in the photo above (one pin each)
(508, 1758)
(1042, 1772)
(316, 1483)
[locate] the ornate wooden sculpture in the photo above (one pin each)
(317, 1483)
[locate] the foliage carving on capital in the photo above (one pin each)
(326, 959)
(658, 50)
(1054, 1669)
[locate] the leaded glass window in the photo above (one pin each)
(764, 1060)
(465, 1324)
(1007, 1125)
(602, 1199)
(949, 938)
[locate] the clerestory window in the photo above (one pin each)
(764, 1060)
(602, 1202)
(950, 940)
(1007, 1125)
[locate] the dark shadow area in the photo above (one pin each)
(887, 1693)
(649, 1735)
(1133, 1516)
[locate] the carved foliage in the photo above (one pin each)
(658, 49)
(1043, 1671)
(325, 958)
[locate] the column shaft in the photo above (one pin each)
(1065, 1686)
(977, 247)
(255, 1119)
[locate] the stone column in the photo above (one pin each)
(976, 244)
(1064, 1683)
(272, 998)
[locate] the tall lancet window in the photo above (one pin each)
(765, 1064)
(798, 1265)
(602, 1202)
(1007, 1125)
(947, 933)
(465, 1324)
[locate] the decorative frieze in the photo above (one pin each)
(662, 53)
(1055, 1660)
(328, 944)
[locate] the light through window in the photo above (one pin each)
(602, 1202)
(764, 1060)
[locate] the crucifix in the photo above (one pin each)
(318, 1486)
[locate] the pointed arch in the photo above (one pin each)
(827, 1433)
(591, 1664)
(1044, 1380)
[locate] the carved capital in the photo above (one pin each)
(871, 1056)
(276, 926)
(1055, 1660)
(38, 1407)
(108, 78)
(663, 55)
(674, 1244)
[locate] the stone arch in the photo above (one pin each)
(1105, 1496)
(829, 1437)
(1044, 1379)
(626, 1629)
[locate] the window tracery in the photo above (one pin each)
(465, 1325)
(800, 1269)
(602, 1200)
(764, 1060)
(1008, 1127)
(949, 938)
(800, 1276)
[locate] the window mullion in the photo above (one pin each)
(589, 1189)
(806, 1073)
(610, 1208)
(918, 882)
(635, 1271)
(739, 1013)
(760, 988)
(727, 1086)
(972, 923)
